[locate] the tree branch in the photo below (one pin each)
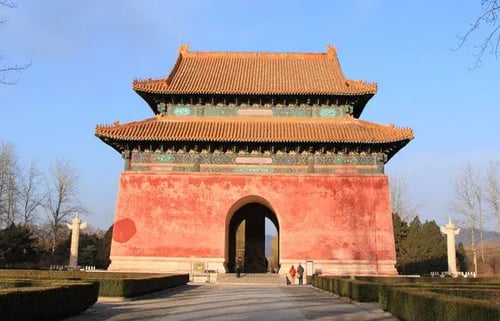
(8, 70)
(8, 4)
(489, 16)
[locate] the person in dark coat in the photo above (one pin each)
(239, 267)
(300, 274)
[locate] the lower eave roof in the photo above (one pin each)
(253, 130)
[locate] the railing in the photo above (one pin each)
(463, 274)
(66, 267)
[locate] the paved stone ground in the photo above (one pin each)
(236, 302)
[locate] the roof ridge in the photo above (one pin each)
(147, 80)
(117, 123)
(184, 51)
(389, 126)
(250, 119)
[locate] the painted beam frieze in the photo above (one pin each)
(255, 110)
(257, 162)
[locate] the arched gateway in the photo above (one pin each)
(250, 213)
(244, 136)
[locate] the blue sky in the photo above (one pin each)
(85, 55)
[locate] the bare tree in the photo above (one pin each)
(61, 198)
(240, 241)
(30, 197)
(274, 261)
(478, 195)
(468, 203)
(493, 191)
(8, 184)
(400, 202)
(7, 70)
(490, 9)
(8, 4)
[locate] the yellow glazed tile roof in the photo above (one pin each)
(253, 129)
(255, 73)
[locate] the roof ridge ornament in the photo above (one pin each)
(331, 50)
(184, 48)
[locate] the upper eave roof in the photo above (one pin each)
(256, 73)
(253, 129)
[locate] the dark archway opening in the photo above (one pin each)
(247, 238)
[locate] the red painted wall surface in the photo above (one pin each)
(187, 214)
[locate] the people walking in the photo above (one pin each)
(239, 267)
(293, 273)
(300, 274)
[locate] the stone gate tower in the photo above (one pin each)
(248, 136)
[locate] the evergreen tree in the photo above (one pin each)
(92, 250)
(433, 256)
(17, 245)
(61, 254)
(420, 248)
(87, 249)
(462, 259)
(413, 246)
(103, 250)
(400, 235)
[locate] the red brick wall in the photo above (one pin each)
(320, 217)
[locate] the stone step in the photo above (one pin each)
(251, 278)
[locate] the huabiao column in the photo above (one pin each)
(75, 228)
(450, 230)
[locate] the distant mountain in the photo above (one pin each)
(488, 236)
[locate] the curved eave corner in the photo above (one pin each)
(397, 147)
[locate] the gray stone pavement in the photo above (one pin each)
(236, 302)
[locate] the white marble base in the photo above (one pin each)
(343, 267)
(185, 265)
(163, 264)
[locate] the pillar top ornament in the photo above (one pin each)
(450, 228)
